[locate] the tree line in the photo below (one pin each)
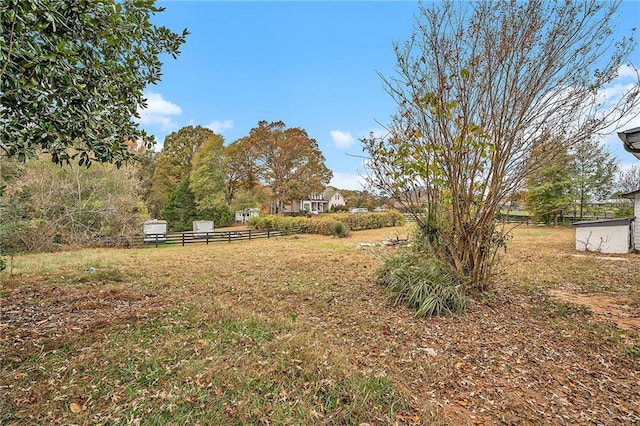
(197, 176)
(194, 176)
(573, 178)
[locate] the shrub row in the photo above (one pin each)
(362, 221)
(330, 224)
(282, 223)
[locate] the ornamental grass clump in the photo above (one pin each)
(420, 282)
(340, 230)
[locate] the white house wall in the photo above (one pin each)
(603, 239)
(636, 224)
(336, 200)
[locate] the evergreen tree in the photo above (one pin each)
(180, 210)
(549, 185)
(593, 170)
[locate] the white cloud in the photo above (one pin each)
(159, 112)
(614, 92)
(220, 126)
(347, 181)
(627, 71)
(342, 139)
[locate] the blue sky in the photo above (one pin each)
(309, 64)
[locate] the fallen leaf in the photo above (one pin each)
(75, 407)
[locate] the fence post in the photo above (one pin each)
(156, 240)
(249, 234)
(268, 233)
(228, 237)
(183, 239)
(207, 238)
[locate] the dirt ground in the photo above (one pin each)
(609, 309)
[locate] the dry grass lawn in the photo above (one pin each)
(294, 331)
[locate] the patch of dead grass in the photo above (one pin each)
(293, 331)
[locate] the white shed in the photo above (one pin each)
(246, 214)
(605, 236)
(155, 231)
(202, 228)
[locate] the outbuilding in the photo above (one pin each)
(202, 228)
(605, 235)
(155, 231)
(635, 197)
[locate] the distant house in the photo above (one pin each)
(334, 198)
(411, 198)
(317, 203)
(614, 235)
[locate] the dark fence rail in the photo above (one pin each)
(528, 220)
(190, 237)
(565, 220)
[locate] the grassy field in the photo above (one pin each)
(294, 331)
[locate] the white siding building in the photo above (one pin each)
(605, 236)
(635, 196)
(334, 198)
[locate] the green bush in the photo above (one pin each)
(422, 283)
(220, 214)
(340, 230)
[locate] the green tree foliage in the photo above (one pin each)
(478, 85)
(72, 75)
(364, 198)
(220, 214)
(550, 186)
(145, 169)
(180, 210)
(593, 171)
(207, 174)
(250, 198)
(240, 168)
(288, 162)
(46, 205)
(173, 163)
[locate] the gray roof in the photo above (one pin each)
(605, 222)
(630, 195)
(631, 140)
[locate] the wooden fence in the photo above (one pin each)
(190, 237)
(528, 220)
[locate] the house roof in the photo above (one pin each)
(329, 192)
(631, 140)
(630, 195)
(604, 222)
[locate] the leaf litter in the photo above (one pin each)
(517, 356)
